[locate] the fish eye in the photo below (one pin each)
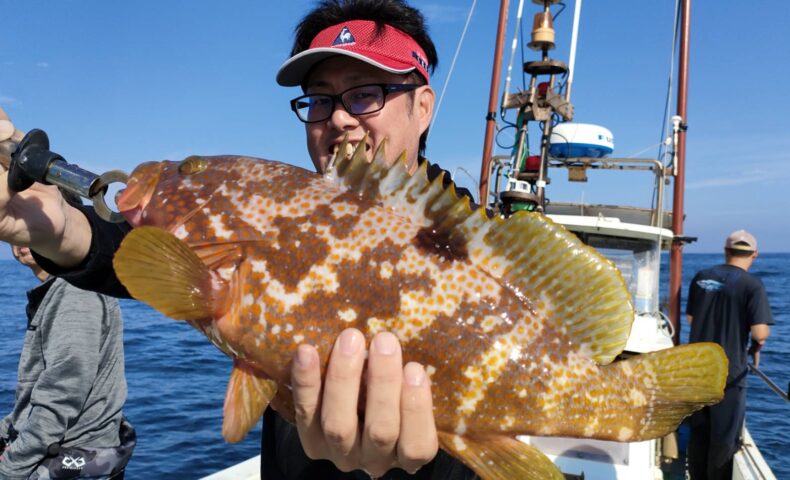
(192, 165)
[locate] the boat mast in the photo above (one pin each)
(493, 99)
(676, 258)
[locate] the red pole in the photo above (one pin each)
(493, 99)
(676, 258)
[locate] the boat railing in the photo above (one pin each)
(773, 386)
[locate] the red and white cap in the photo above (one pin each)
(387, 48)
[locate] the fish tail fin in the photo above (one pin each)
(680, 381)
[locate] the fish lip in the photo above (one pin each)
(139, 190)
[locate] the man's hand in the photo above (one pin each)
(754, 351)
(39, 218)
(397, 429)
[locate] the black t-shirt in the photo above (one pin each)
(725, 301)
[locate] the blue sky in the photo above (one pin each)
(118, 83)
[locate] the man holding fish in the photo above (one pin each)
(289, 272)
(365, 84)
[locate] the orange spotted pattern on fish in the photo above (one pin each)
(516, 321)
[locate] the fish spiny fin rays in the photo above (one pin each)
(679, 381)
(500, 458)
(412, 195)
(565, 281)
(245, 400)
(162, 271)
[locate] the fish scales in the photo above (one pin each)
(292, 257)
(405, 303)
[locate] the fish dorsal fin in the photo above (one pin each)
(566, 281)
(159, 269)
(247, 397)
(500, 458)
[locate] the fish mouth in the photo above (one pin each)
(139, 190)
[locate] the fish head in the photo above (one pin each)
(161, 193)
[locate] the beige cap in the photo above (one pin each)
(741, 240)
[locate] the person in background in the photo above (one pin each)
(726, 305)
(67, 420)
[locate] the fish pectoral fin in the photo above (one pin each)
(159, 269)
(247, 397)
(500, 458)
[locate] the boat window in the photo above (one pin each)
(638, 261)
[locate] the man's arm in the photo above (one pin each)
(760, 333)
(70, 342)
(39, 218)
(690, 318)
(69, 242)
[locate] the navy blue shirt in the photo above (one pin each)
(725, 301)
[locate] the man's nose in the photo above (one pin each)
(341, 119)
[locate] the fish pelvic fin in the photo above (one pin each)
(500, 458)
(159, 269)
(680, 380)
(247, 397)
(565, 281)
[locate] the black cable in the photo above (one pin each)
(562, 8)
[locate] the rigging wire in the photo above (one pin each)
(667, 107)
(452, 65)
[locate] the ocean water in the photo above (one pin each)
(177, 379)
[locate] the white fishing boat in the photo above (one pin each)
(631, 236)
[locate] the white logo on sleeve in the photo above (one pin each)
(72, 463)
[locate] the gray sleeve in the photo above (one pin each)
(4, 424)
(70, 334)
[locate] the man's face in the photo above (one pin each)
(401, 121)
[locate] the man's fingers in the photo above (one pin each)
(418, 443)
(306, 383)
(382, 409)
(339, 415)
(6, 130)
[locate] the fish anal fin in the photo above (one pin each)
(500, 457)
(159, 269)
(247, 397)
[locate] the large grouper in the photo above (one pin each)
(517, 322)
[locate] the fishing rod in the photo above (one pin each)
(771, 384)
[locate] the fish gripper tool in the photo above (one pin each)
(32, 161)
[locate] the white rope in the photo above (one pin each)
(452, 65)
(513, 47)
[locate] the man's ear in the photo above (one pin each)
(425, 101)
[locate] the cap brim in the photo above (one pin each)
(293, 72)
(743, 248)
